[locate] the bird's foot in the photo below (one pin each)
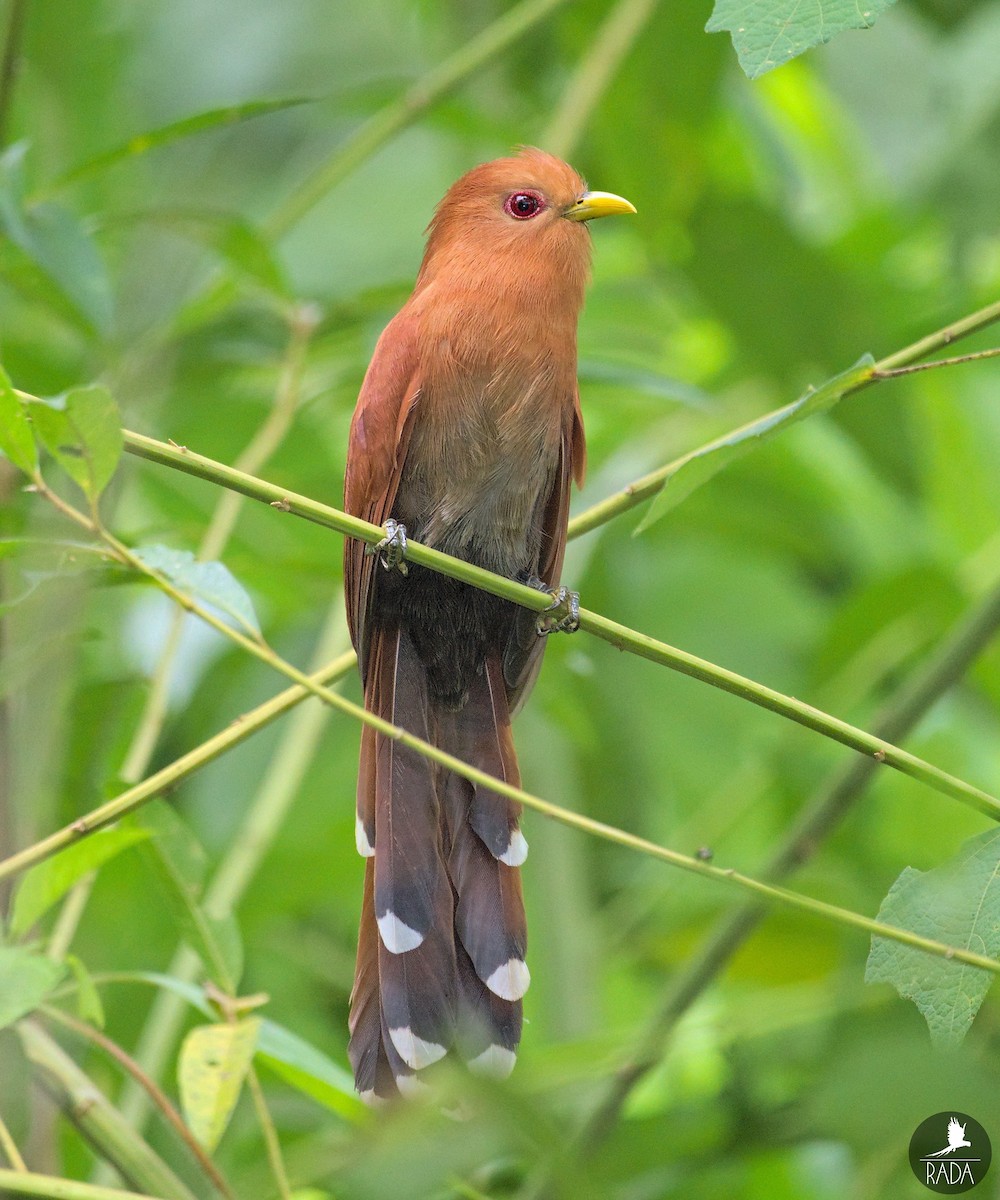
(562, 615)
(391, 550)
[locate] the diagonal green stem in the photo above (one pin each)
(49, 1187)
(389, 121)
(936, 676)
(610, 631)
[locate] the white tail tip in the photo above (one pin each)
(495, 1061)
(510, 981)
(413, 1050)
(517, 850)
(397, 936)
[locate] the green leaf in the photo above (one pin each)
(767, 33)
(88, 999)
(179, 862)
(214, 1062)
(208, 581)
(696, 468)
(82, 431)
(957, 903)
(17, 442)
(25, 980)
(47, 883)
(57, 243)
(142, 143)
(309, 1070)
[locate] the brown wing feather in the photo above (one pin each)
(379, 435)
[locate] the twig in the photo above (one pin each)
(605, 54)
(266, 1123)
(611, 631)
(893, 372)
(9, 1147)
(153, 1091)
(9, 64)
(96, 1118)
(945, 668)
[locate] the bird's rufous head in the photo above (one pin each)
(530, 205)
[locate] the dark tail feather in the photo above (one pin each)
(485, 852)
(412, 911)
(373, 1074)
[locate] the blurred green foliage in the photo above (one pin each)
(843, 204)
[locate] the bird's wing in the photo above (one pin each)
(956, 1132)
(379, 435)
(523, 655)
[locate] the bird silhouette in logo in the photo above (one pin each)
(956, 1139)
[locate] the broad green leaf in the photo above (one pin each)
(25, 980)
(57, 243)
(82, 431)
(309, 1070)
(210, 582)
(47, 883)
(767, 33)
(696, 468)
(179, 862)
(88, 999)
(17, 442)
(957, 903)
(638, 379)
(163, 135)
(213, 1064)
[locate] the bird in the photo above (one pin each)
(956, 1139)
(466, 437)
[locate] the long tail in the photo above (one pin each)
(442, 940)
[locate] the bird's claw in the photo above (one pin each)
(391, 550)
(562, 615)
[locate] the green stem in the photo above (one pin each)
(48, 1187)
(9, 64)
(605, 55)
(91, 1112)
(238, 731)
(9, 1148)
(943, 670)
(155, 1094)
(266, 1123)
(258, 829)
(395, 117)
(262, 445)
(648, 485)
(618, 635)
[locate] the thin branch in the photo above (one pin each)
(50, 1187)
(92, 1113)
(943, 670)
(263, 444)
(266, 1122)
(10, 62)
(957, 360)
(155, 1093)
(266, 655)
(9, 1148)
(395, 117)
(610, 631)
(605, 54)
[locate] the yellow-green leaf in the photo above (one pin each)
(213, 1065)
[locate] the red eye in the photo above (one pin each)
(522, 205)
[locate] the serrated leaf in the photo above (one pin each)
(957, 903)
(47, 883)
(696, 468)
(56, 242)
(25, 981)
(17, 442)
(88, 999)
(82, 430)
(208, 581)
(214, 1062)
(309, 1070)
(179, 862)
(767, 33)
